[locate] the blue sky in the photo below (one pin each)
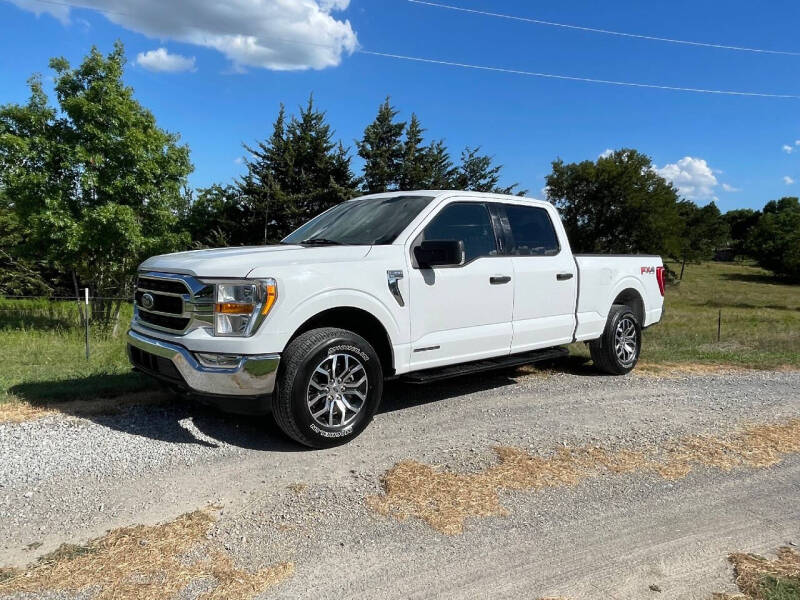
(226, 67)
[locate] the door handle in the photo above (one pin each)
(499, 279)
(564, 276)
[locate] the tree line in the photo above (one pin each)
(620, 204)
(92, 186)
(300, 171)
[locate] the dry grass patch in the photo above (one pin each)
(756, 446)
(444, 499)
(144, 562)
(759, 578)
(669, 369)
(19, 411)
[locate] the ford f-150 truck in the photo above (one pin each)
(421, 285)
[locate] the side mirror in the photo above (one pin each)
(439, 253)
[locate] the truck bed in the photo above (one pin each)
(602, 277)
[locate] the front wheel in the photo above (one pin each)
(329, 387)
(617, 351)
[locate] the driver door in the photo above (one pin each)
(461, 313)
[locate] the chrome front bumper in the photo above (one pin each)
(253, 376)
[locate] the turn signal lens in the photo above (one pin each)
(271, 294)
(234, 308)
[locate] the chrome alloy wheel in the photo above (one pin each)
(625, 341)
(337, 391)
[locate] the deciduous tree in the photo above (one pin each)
(616, 204)
(740, 223)
(775, 239)
(99, 184)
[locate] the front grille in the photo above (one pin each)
(155, 365)
(170, 286)
(167, 304)
(173, 303)
(175, 323)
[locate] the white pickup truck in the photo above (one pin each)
(422, 285)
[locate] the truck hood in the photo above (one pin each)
(238, 262)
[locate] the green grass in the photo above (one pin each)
(44, 350)
(778, 588)
(760, 319)
(44, 355)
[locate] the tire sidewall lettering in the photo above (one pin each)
(300, 409)
(348, 348)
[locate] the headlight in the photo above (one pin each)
(241, 307)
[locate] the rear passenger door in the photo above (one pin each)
(545, 278)
(461, 313)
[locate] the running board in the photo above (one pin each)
(489, 364)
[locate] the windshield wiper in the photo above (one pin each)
(320, 242)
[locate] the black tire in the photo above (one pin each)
(606, 355)
(299, 381)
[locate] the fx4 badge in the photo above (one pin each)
(648, 270)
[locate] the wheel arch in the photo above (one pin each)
(360, 322)
(633, 298)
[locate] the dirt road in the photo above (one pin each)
(607, 496)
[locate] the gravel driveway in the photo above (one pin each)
(67, 479)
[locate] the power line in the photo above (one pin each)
(494, 69)
(605, 31)
(575, 78)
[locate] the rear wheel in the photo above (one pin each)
(617, 351)
(329, 387)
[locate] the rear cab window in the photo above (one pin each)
(530, 231)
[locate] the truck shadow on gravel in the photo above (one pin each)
(161, 416)
(184, 421)
(399, 394)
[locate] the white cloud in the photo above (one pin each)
(788, 149)
(726, 187)
(606, 153)
(57, 11)
(282, 35)
(693, 177)
(162, 61)
(788, 180)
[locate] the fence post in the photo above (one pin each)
(719, 325)
(86, 320)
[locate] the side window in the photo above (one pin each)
(532, 231)
(466, 221)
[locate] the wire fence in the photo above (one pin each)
(63, 313)
(70, 298)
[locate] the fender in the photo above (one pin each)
(627, 282)
(335, 298)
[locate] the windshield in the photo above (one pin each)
(367, 222)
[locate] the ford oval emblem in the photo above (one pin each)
(148, 301)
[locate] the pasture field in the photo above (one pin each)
(44, 359)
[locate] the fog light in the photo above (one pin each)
(225, 361)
